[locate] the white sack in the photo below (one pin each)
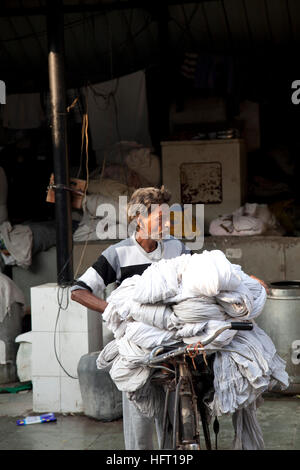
(148, 336)
(126, 371)
(250, 219)
(18, 240)
(9, 293)
(144, 163)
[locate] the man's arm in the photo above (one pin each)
(89, 300)
(88, 289)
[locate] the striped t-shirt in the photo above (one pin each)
(125, 259)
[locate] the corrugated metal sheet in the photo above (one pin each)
(102, 44)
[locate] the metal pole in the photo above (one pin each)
(64, 242)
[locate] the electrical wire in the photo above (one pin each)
(60, 295)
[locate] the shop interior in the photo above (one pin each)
(136, 77)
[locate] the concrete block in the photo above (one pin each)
(72, 347)
(44, 307)
(74, 319)
(46, 394)
(77, 332)
(43, 359)
(71, 400)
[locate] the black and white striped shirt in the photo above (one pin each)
(125, 259)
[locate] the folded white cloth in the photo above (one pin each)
(9, 293)
(148, 336)
(250, 219)
(187, 299)
(127, 372)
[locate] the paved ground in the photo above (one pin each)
(279, 418)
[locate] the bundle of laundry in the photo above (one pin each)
(250, 219)
(102, 204)
(108, 187)
(9, 294)
(17, 243)
(20, 242)
(144, 162)
(187, 299)
(103, 218)
(129, 163)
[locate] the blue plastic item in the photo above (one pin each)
(46, 418)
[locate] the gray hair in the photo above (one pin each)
(143, 198)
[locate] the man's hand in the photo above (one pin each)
(261, 282)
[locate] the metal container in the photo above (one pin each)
(280, 319)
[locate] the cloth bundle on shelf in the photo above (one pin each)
(186, 299)
(250, 219)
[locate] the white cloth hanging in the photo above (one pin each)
(127, 94)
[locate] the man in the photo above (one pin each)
(125, 259)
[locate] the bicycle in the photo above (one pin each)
(188, 371)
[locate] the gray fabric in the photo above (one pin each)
(9, 294)
(44, 235)
(23, 241)
(139, 429)
(151, 314)
(18, 241)
(248, 434)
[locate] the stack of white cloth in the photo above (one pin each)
(250, 219)
(187, 299)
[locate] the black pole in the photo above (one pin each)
(64, 242)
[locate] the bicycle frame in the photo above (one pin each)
(188, 410)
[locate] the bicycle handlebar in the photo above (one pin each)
(155, 356)
(239, 325)
(232, 326)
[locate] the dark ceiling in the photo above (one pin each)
(105, 39)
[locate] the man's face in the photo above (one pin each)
(156, 225)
